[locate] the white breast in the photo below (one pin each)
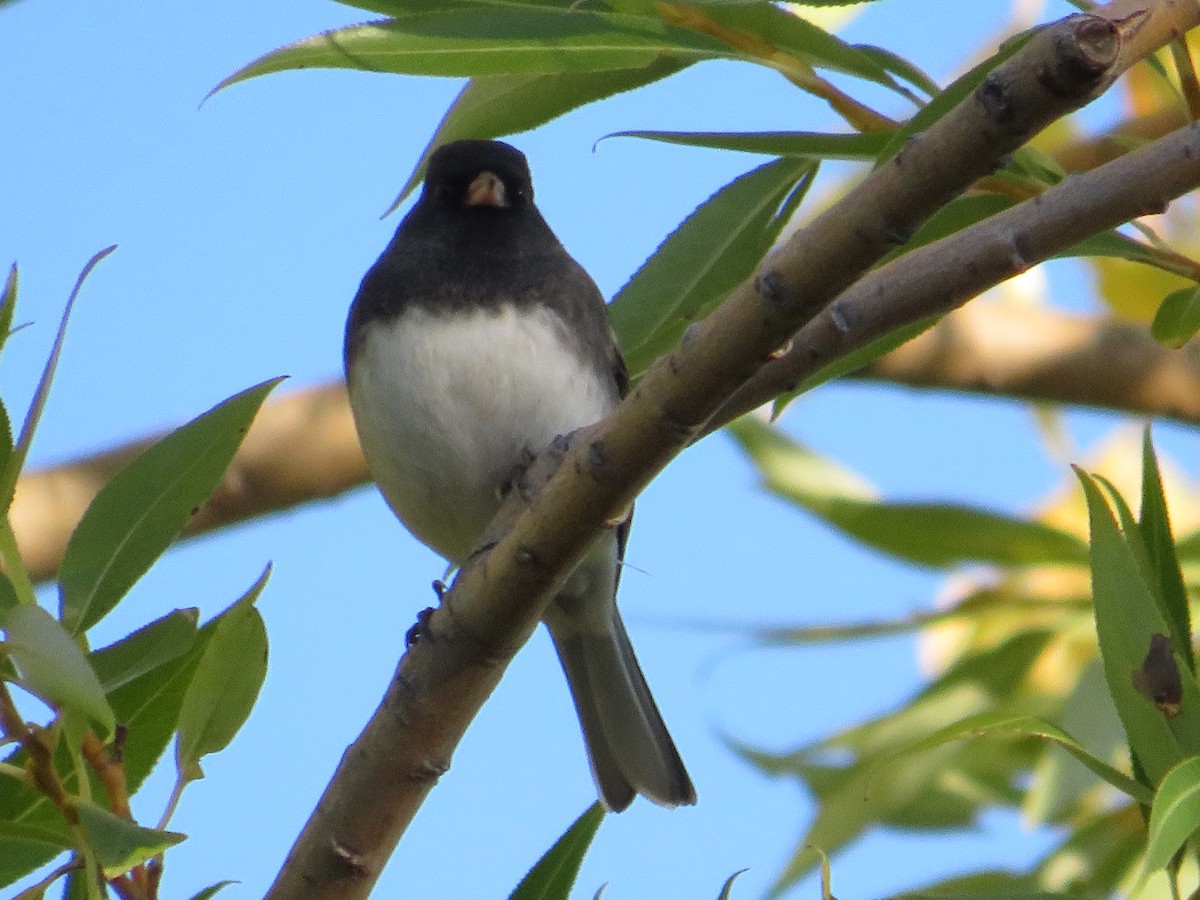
(446, 406)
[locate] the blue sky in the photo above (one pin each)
(244, 226)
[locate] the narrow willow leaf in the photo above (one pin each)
(1178, 317)
(494, 105)
(212, 890)
(225, 685)
(489, 40)
(1174, 816)
(1032, 726)
(553, 876)
(931, 534)
(1127, 618)
(8, 303)
(727, 887)
(773, 143)
(1155, 527)
(858, 359)
(119, 844)
(144, 508)
(1116, 245)
(16, 462)
(146, 649)
(902, 68)
(52, 666)
(780, 30)
(711, 252)
(956, 215)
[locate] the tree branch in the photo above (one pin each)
(498, 597)
(1042, 355)
(1020, 353)
(943, 275)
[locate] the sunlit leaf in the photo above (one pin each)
(490, 41)
(931, 534)
(773, 143)
(1032, 726)
(764, 29)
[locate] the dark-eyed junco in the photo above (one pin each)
(473, 342)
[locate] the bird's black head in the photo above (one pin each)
(482, 175)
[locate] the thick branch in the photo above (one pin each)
(943, 275)
(1038, 354)
(1021, 353)
(499, 596)
(300, 448)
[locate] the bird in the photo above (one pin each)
(473, 342)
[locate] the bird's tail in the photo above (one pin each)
(630, 749)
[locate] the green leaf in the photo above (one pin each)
(490, 40)
(225, 685)
(149, 708)
(212, 890)
(16, 462)
(711, 252)
(118, 843)
(494, 105)
(1178, 317)
(8, 595)
(727, 887)
(1127, 620)
(140, 512)
(1114, 244)
(797, 36)
(773, 143)
(52, 666)
(554, 874)
(8, 303)
(1174, 817)
(1032, 726)
(857, 359)
(900, 67)
(13, 834)
(146, 649)
(956, 215)
(930, 534)
(1155, 528)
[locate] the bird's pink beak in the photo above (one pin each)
(486, 190)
